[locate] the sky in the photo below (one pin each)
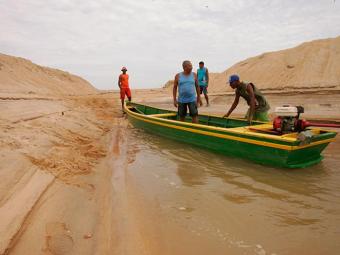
(94, 39)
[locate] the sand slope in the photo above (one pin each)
(314, 64)
(19, 75)
(55, 172)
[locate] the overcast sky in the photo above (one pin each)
(94, 39)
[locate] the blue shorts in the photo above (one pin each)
(204, 90)
(182, 109)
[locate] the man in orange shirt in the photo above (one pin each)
(123, 83)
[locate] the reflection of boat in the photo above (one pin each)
(234, 136)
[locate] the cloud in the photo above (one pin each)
(152, 37)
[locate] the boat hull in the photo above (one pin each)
(262, 151)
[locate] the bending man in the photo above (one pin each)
(258, 105)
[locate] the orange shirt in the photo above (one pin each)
(124, 80)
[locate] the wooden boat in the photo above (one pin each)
(234, 137)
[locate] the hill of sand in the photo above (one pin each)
(19, 75)
(311, 65)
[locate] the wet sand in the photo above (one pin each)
(77, 178)
(56, 160)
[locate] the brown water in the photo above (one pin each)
(198, 202)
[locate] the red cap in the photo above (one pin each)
(124, 68)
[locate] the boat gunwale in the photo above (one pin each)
(236, 131)
(288, 148)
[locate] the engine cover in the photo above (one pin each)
(286, 111)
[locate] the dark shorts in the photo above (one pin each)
(204, 90)
(182, 109)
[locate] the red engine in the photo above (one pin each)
(288, 120)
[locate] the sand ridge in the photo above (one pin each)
(19, 75)
(311, 65)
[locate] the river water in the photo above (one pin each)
(204, 203)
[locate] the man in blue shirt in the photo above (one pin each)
(203, 80)
(188, 92)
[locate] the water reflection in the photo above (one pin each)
(195, 166)
(222, 192)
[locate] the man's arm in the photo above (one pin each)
(174, 91)
(199, 101)
(207, 76)
(251, 94)
(233, 106)
(119, 81)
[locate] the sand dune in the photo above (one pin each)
(311, 65)
(19, 75)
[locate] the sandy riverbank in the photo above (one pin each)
(56, 155)
(65, 156)
(63, 171)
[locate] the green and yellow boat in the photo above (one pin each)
(234, 137)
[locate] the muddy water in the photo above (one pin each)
(203, 203)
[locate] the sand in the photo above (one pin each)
(311, 65)
(21, 76)
(64, 177)
(46, 145)
(64, 153)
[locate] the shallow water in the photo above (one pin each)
(210, 203)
